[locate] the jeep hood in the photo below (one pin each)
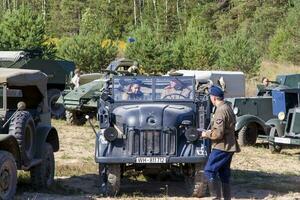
(151, 116)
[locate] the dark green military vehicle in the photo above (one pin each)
(285, 128)
(252, 113)
(58, 72)
(27, 139)
(83, 100)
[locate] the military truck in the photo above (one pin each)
(58, 71)
(284, 130)
(152, 133)
(83, 100)
(27, 139)
(252, 113)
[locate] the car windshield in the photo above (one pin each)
(1, 97)
(158, 88)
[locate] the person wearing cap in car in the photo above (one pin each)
(224, 145)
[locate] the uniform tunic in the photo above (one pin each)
(224, 144)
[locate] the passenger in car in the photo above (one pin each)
(175, 90)
(134, 92)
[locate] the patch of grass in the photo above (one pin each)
(76, 169)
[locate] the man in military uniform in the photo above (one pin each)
(224, 145)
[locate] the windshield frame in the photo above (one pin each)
(153, 87)
(3, 86)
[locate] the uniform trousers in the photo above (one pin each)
(218, 165)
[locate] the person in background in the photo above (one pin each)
(175, 90)
(224, 145)
(265, 81)
(76, 78)
(134, 92)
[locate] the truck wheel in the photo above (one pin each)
(42, 175)
(110, 179)
(57, 109)
(8, 176)
(248, 135)
(75, 118)
(274, 148)
(23, 129)
(195, 181)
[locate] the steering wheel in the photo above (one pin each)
(174, 94)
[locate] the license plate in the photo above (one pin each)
(151, 160)
(282, 140)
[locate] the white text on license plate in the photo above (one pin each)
(151, 160)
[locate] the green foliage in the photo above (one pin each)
(91, 53)
(199, 51)
(285, 45)
(150, 51)
(22, 29)
(169, 34)
(238, 53)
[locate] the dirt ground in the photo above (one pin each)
(256, 174)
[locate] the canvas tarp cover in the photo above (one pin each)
(24, 77)
(12, 56)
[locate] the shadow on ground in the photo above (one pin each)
(246, 185)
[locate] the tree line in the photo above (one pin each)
(159, 34)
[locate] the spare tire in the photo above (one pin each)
(57, 109)
(23, 129)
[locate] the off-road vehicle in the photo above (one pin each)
(27, 139)
(252, 113)
(284, 130)
(59, 72)
(151, 130)
(82, 101)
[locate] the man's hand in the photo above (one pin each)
(206, 134)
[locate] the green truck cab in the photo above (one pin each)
(27, 139)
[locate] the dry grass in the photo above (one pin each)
(270, 70)
(257, 174)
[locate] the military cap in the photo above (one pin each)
(216, 91)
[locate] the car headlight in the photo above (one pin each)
(236, 110)
(191, 134)
(281, 116)
(110, 134)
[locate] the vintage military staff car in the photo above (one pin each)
(149, 123)
(27, 139)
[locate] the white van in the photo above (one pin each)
(234, 80)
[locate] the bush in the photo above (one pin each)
(22, 29)
(149, 50)
(91, 53)
(200, 51)
(285, 45)
(238, 53)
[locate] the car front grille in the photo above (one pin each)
(152, 142)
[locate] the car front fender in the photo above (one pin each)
(46, 134)
(279, 125)
(247, 119)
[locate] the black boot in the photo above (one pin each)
(214, 186)
(226, 191)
